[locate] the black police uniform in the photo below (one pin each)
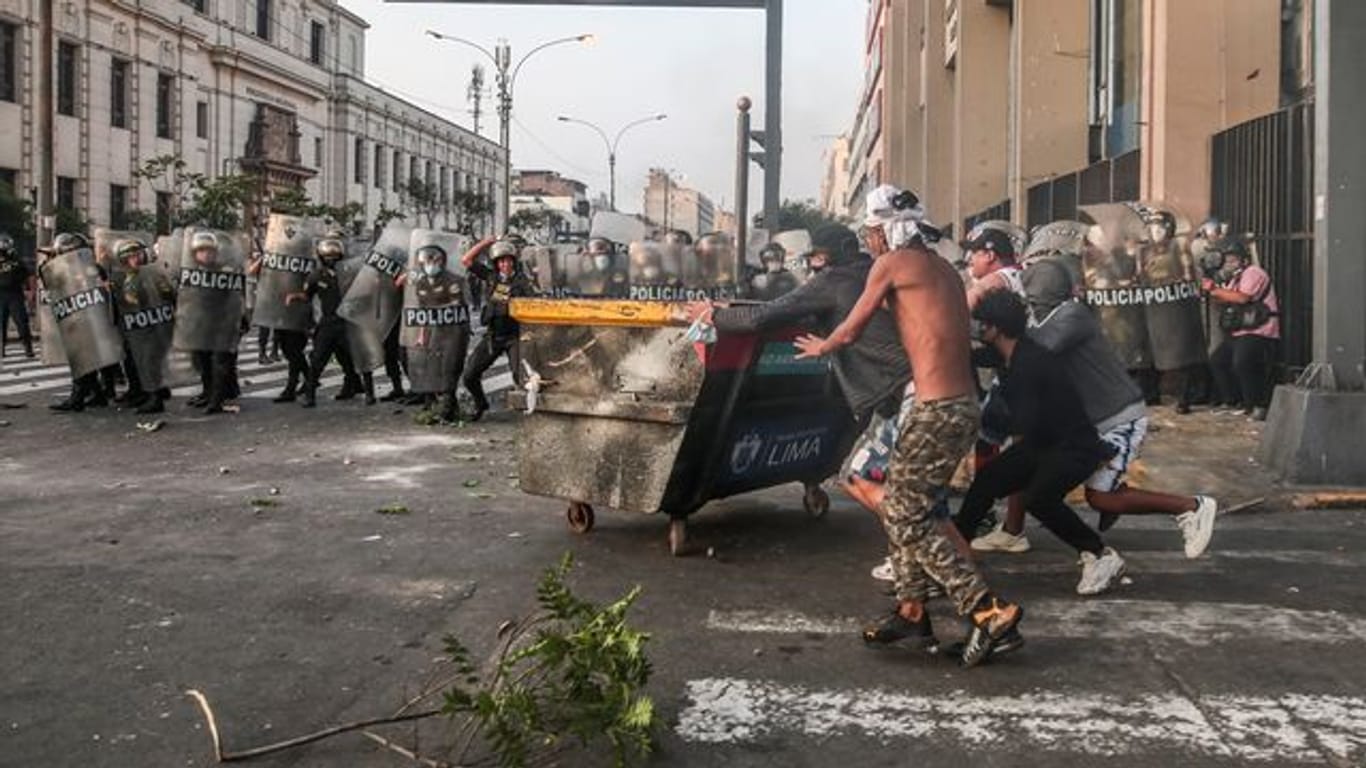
(500, 330)
(329, 335)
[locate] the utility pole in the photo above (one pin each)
(773, 113)
(475, 94)
(502, 55)
(45, 127)
(742, 182)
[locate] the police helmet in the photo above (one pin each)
(202, 240)
(600, 245)
(773, 252)
(430, 254)
(128, 248)
(504, 249)
(1232, 246)
(6, 245)
(330, 248)
(1164, 219)
(67, 242)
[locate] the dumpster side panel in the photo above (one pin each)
(613, 462)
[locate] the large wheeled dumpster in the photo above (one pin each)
(632, 415)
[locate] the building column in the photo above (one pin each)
(1316, 433)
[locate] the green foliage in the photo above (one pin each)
(296, 202)
(799, 214)
(573, 672)
(539, 224)
(470, 208)
(423, 200)
(16, 214)
(71, 220)
(138, 221)
(386, 215)
(197, 200)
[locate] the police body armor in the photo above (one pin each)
(285, 265)
(1110, 268)
(435, 327)
(210, 297)
(81, 309)
(372, 302)
(146, 301)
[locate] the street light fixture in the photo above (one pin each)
(501, 56)
(611, 145)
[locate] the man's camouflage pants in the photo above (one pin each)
(934, 438)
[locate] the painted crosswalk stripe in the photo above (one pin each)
(1280, 729)
(1188, 623)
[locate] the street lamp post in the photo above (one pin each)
(501, 56)
(611, 145)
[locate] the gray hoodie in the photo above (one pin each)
(1108, 395)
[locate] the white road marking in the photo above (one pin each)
(1288, 728)
(1196, 624)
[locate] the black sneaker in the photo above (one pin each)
(1011, 641)
(991, 620)
(394, 396)
(895, 628)
(198, 401)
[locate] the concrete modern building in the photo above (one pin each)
(980, 104)
(549, 190)
(834, 198)
(275, 87)
(670, 205)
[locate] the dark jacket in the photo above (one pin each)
(1045, 410)
(1109, 395)
(873, 371)
(496, 315)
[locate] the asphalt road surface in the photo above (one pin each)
(135, 566)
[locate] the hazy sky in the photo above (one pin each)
(688, 64)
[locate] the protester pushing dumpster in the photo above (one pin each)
(626, 410)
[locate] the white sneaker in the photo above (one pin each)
(1197, 527)
(883, 572)
(1099, 573)
(1001, 540)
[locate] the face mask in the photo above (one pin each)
(650, 273)
(773, 267)
(602, 262)
(431, 270)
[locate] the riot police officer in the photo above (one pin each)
(775, 280)
(215, 366)
(329, 334)
(145, 299)
(502, 284)
(86, 389)
(14, 277)
(435, 329)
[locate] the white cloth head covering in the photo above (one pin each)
(901, 224)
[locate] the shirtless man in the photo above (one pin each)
(925, 296)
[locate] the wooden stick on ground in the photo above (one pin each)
(229, 757)
(402, 750)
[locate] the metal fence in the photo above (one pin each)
(1262, 184)
(1108, 181)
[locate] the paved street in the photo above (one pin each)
(136, 566)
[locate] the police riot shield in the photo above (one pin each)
(49, 335)
(210, 295)
(145, 299)
(797, 244)
(435, 327)
(80, 305)
(373, 301)
(597, 275)
(1110, 269)
(365, 340)
(1172, 299)
(712, 272)
(166, 250)
(655, 270)
(453, 244)
(285, 264)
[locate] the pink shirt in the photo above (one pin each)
(1253, 281)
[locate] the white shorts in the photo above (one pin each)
(1126, 439)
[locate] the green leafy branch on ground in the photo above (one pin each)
(571, 674)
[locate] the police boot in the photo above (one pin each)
(74, 402)
(28, 349)
(349, 389)
(396, 394)
(198, 401)
(310, 395)
(290, 391)
(367, 382)
(151, 404)
(96, 397)
(450, 409)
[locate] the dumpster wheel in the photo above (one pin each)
(816, 501)
(678, 536)
(580, 517)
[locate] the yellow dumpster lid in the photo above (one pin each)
(619, 312)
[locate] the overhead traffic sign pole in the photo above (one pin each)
(773, 71)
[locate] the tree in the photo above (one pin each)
(424, 201)
(16, 214)
(386, 215)
(197, 200)
(799, 214)
(296, 202)
(470, 208)
(540, 224)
